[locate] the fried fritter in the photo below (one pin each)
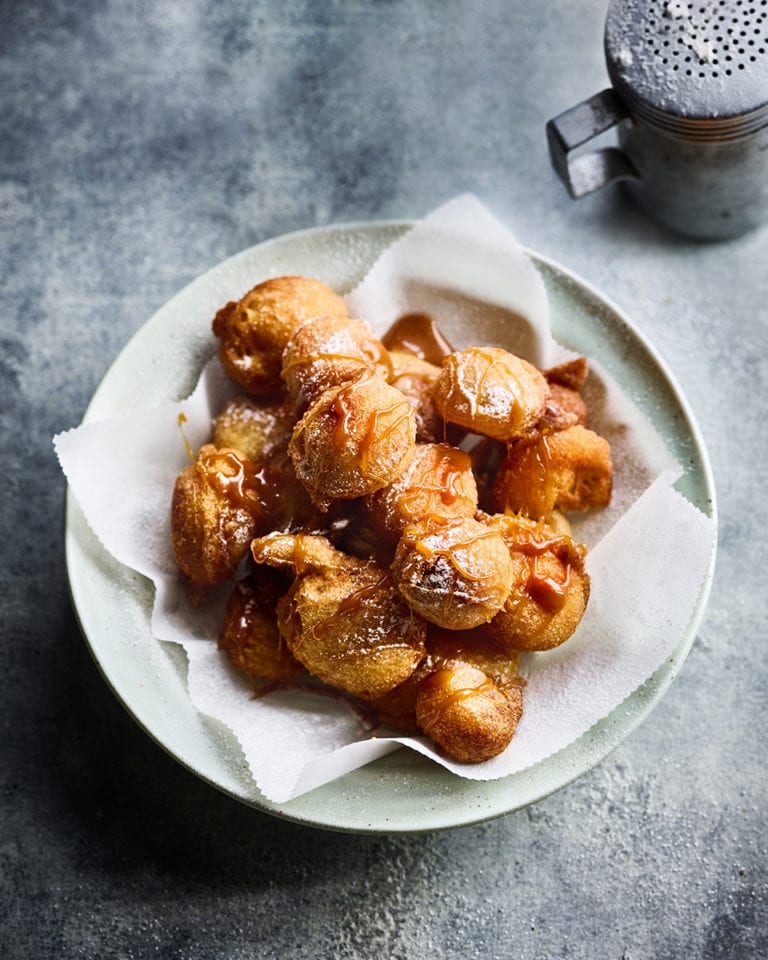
(254, 330)
(455, 573)
(569, 470)
(250, 636)
(262, 431)
(415, 379)
(328, 351)
(448, 648)
(492, 392)
(256, 428)
(478, 648)
(216, 511)
(550, 587)
(437, 483)
(466, 714)
(353, 440)
(343, 618)
(565, 383)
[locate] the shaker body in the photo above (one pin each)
(703, 189)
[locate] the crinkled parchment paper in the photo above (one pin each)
(649, 551)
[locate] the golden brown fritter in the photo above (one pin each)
(455, 573)
(343, 618)
(216, 511)
(438, 483)
(256, 428)
(449, 648)
(466, 714)
(492, 392)
(565, 383)
(250, 636)
(262, 431)
(478, 648)
(327, 352)
(255, 330)
(388, 581)
(415, 379)
(353, 440)
(569, 470)
(550, 587)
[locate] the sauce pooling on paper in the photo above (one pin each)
(417, 333)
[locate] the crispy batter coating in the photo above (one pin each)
(570, 469)
(415, 378)
(455, 573)
(343, 618)
(254, 331)
(262, 431)
(256, 428)
(550, 586)
(383, 576)
(328, 351)
(572, 373)
(479, 649)
(466, 714)
(250, 636)
(492, 392)
(448, 648)
(216, 511)
(565, 383)
(437, 483)
(355, 439)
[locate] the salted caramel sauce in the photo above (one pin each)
(365, 594)
(444, 696)
(548, 592)
(344, 408)
(376, 433)
(545, 590)
(449, 474)
(418, 334)
(309, 358)
(180, 421)
(449, 553)
(444, 486)
(235, 479)
(377, 355)
(361, 642)
(536, 466)
(508, 378)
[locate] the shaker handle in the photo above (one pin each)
(588, 171)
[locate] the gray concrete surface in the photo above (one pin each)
(143, 142)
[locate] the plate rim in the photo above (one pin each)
(661, 679)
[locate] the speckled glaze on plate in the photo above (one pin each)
(402, 792)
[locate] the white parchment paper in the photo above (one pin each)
(649, 551)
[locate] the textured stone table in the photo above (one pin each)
(143, 142)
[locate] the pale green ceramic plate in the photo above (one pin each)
(402, 792)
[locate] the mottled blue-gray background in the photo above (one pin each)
(143, 142)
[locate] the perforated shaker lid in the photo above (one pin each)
(698, 68)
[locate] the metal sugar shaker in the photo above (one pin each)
(690, 100)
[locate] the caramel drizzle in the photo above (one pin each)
(447, 696)
(539, 497)
(233, 478)
(446, 486)
(492, 362)
(449, 552)
(369, 595)
(180, 421)
(546, 591)
(419, 335)
(344, 409)
(310, 358)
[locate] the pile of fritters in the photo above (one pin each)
(407, 571)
